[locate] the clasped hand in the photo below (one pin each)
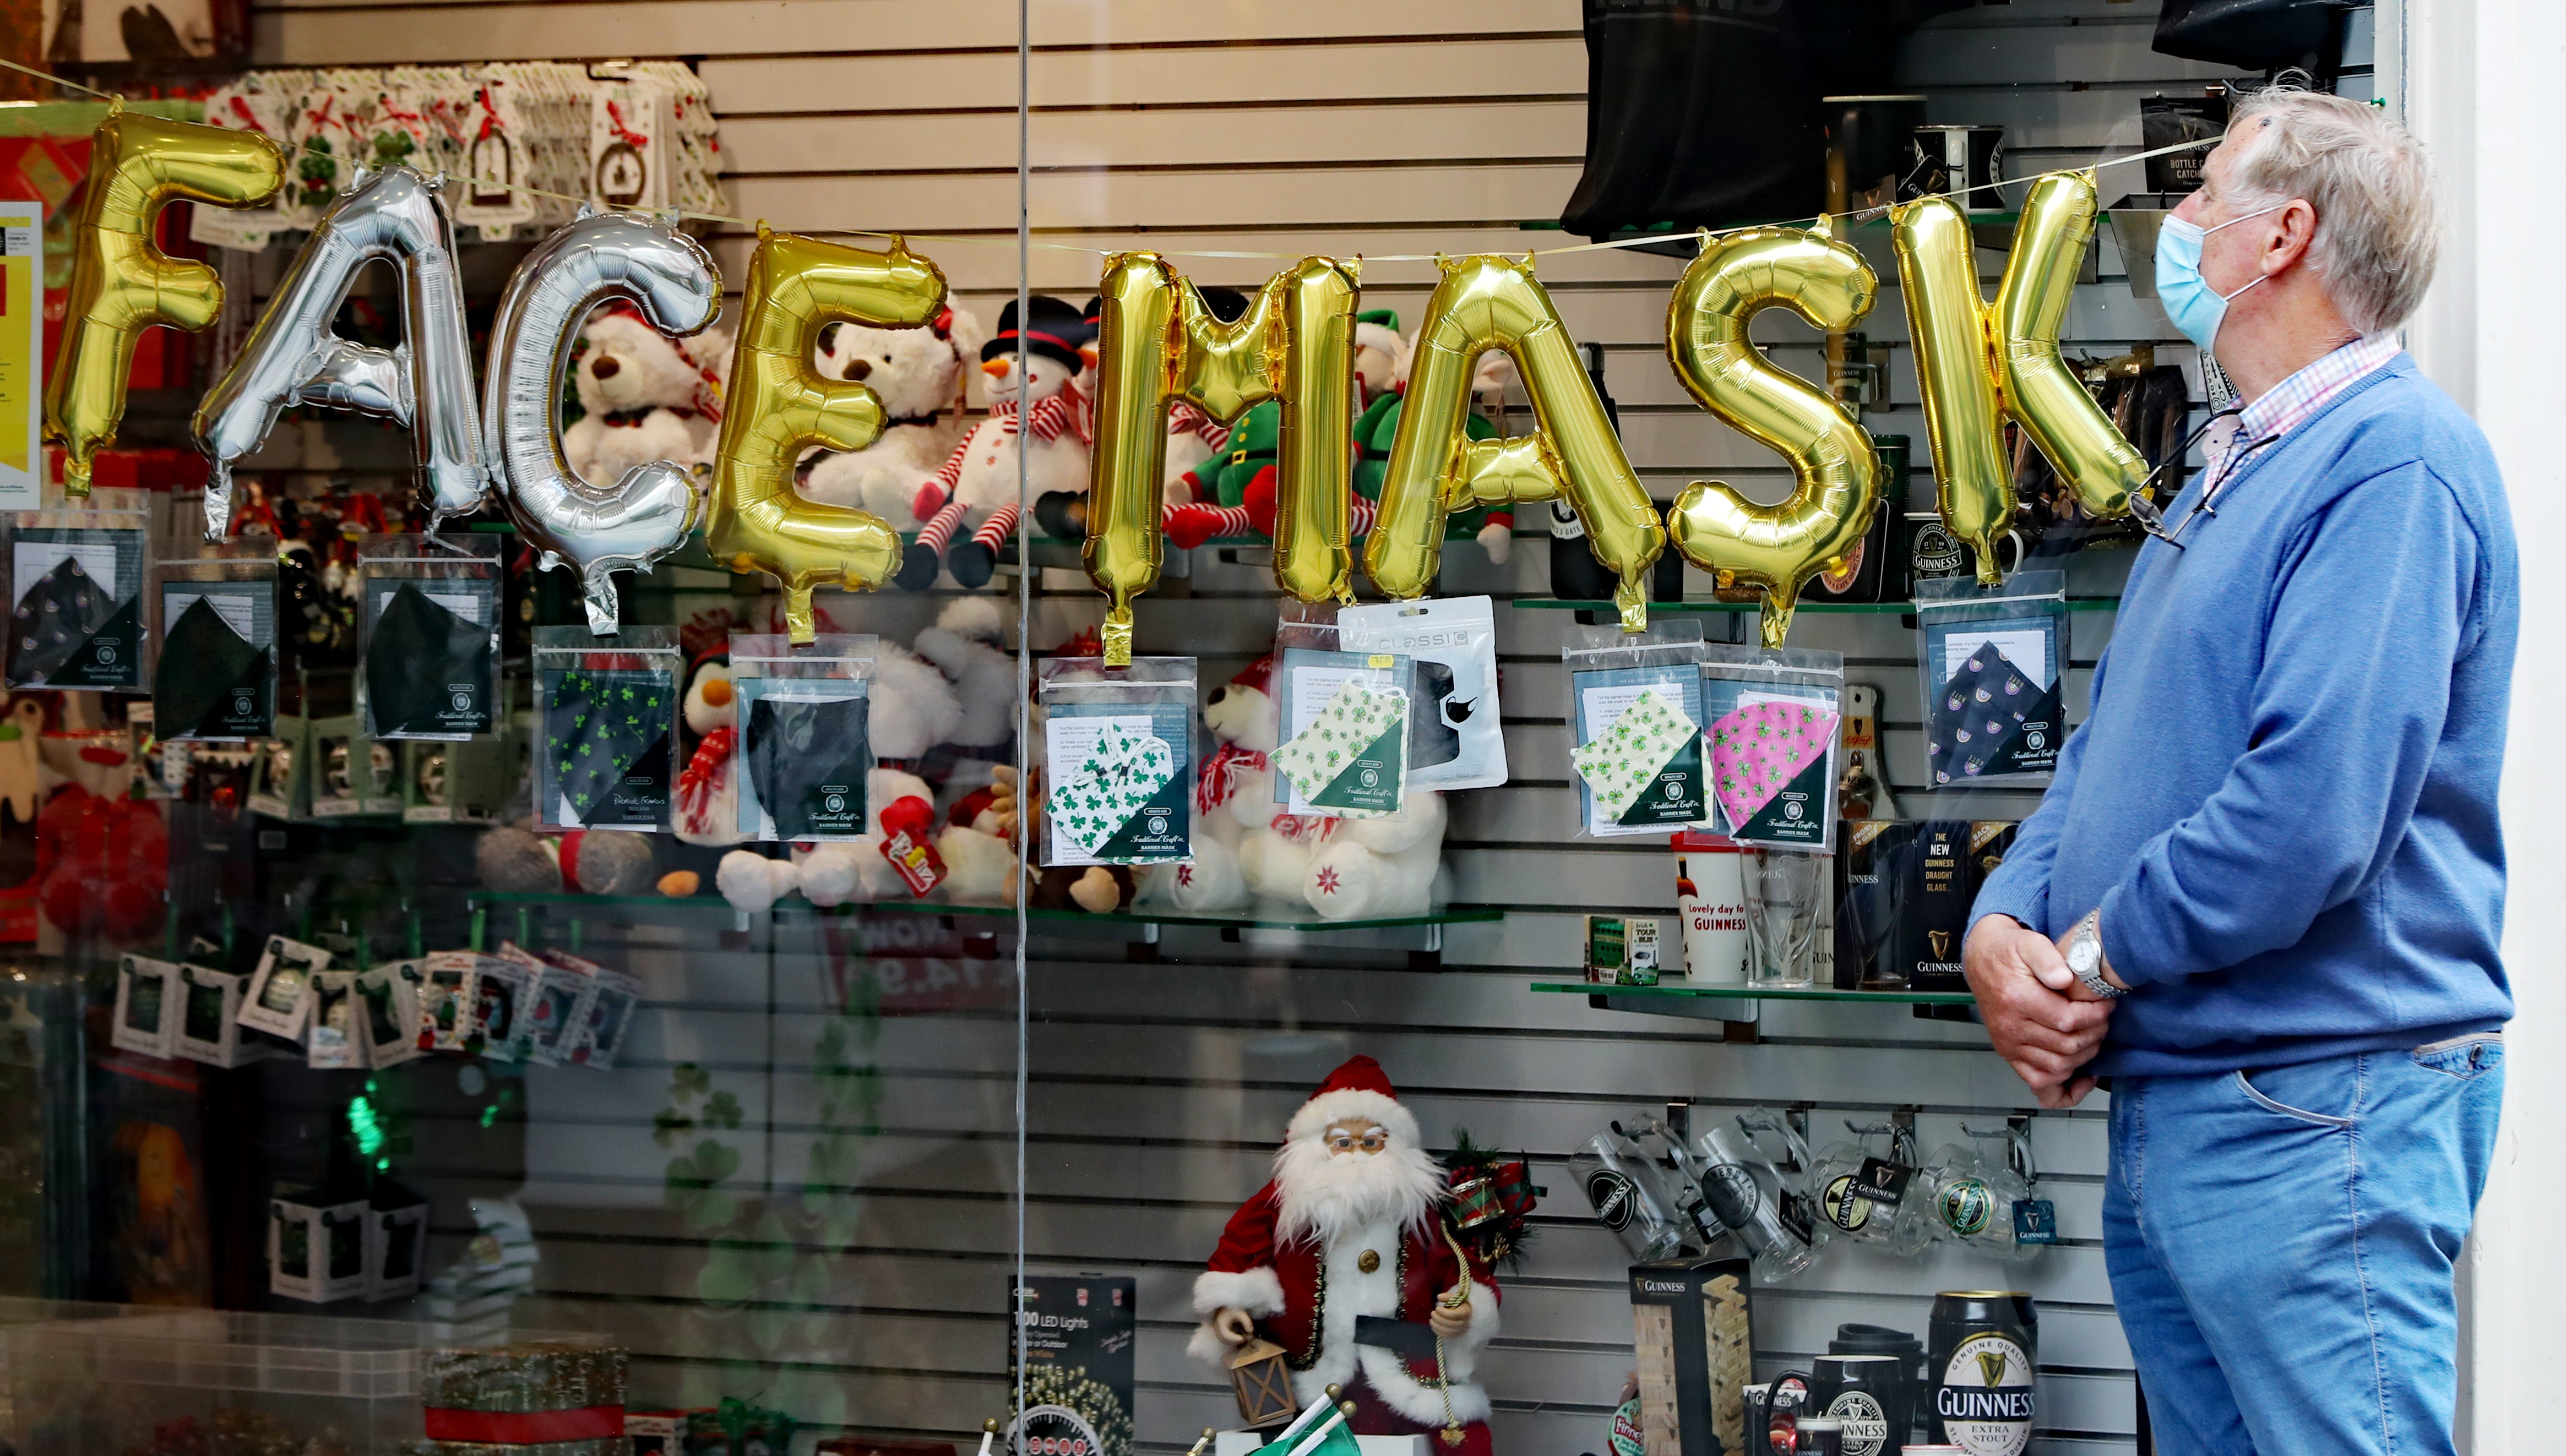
(2042, 1020)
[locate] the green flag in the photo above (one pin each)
(1329, 1435)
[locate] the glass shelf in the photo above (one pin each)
(1676, 990)
(1255, 917)
(1556, 603)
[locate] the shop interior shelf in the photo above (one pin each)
(1558, 603)
(1255, 917)
(212, 1349)
(1676, 990)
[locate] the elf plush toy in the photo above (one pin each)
(1193, 437)
(1377, 427)
(1354, 1224)
(648, 396)
(1030, 370)
(920, 374)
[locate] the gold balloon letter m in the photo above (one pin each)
(1977, 365)
(1435, 468)
(1161, 343)
(756, 521)
(1778, 547)
(120, 283)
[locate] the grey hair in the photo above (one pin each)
(2377, 199)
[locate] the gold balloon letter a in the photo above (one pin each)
(1777, 548)
(778, 404)
(121, 284)
(1434, 467)
(1161, 343)
(1977, 365)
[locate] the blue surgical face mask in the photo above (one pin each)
(2195, 308)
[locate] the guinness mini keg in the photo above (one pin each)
(1984, 1345)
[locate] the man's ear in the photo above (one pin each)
(2291, 241)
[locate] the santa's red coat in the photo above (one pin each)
(1305, 1297)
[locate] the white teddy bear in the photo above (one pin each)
(920, 374)
(648, 396)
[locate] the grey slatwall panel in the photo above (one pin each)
(1157, 1090)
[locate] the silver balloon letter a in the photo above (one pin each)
(643, 516)
(292, 357)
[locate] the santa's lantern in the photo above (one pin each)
(1262, 1380)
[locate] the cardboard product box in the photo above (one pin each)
(1695, 1337)
(1870, 896)
(316, 1244)
(279, 784)
(459, 783)
(1935, 919)
(351, 773)
(1079, 1334)
(147, 1006)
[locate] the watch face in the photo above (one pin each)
(2083, 956)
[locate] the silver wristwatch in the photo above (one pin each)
(2085, 956)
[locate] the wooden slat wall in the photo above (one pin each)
(1155, 1093)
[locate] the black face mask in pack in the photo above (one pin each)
(419, 651)
(206, 667)
(807, 763)
(55, 619)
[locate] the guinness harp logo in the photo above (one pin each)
(1991, 1362)
(1941, 943)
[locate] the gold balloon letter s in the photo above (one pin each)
(1434, 467)
(120, 283)
(1777, 548)
(1977, 365)
(778, 404)
(1161, 343)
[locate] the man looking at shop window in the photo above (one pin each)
(2264, 893)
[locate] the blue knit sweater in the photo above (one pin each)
(2284, 799)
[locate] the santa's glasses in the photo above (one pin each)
(1349, 1140)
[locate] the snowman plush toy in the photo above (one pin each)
(1032, 373)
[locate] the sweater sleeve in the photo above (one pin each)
(2019, 887)
(2369, 613)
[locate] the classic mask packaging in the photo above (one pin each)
(1635, 717)
(1344, 723)
(605, 729)
(215, 621)
(76, 615)
(1774, 737)
(431, 650)
(1993, 664)
(1455, 739)
(802, 715)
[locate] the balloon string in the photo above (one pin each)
(1702, 236)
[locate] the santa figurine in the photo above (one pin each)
(1354, 1224)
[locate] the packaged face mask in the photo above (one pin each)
(1343, 721)
(1635, 715)
(1455, 738)
(1774, 737)
(606, 721)
(803, 715)
(215, 677)
(432, 635)
(1117, 744)
(1992, 662)
(76, 615)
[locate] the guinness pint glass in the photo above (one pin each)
(1983, 1347)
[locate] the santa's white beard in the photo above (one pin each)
(1327, 1194)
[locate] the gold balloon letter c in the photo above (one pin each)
(120, 283)
(1778, 547)
(756, 521)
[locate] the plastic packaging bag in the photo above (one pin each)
(1117, 758)
(214, 619)
(1993, 662)
(1773, 737)
(804, 734)
(1634, 718)
(1454, 739)
(1344, 724)
(605, 722)
(75, 613)
(431, 624)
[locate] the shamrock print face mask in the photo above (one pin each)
(1123, 774)
(1759, 753)
(1352, 758)
(1623, 762)
(606, 746)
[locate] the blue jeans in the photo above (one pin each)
(2280, 1244)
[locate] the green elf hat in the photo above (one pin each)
(1378, 329)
